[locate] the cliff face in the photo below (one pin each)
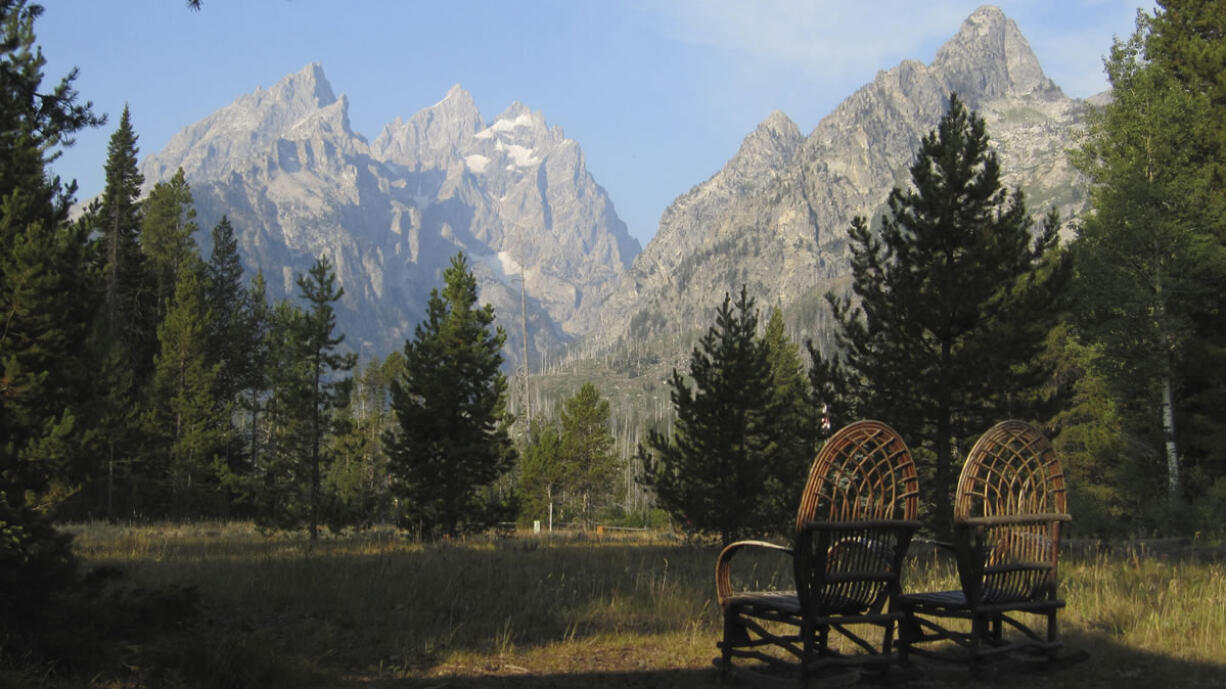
(775, 217)
(514, 195)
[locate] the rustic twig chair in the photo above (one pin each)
(857, 515)
(1009, 508)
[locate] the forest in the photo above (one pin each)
(144, 382)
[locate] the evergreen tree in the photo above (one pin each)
(356, 484)
(186, 413)
(796, 422)
(231, 343)
(279, 488)
(451, 442)
(130, 311)
(325, 391)
(253, 341)
(1186, 40)
(542, 473)
(227, 300)
(45, 302)
(589, 463)
(955, 301)
(1150, 268)
(168, 224)
(713, 473)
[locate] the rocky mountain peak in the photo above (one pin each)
(227, 138)
(307, 87)
(768, 147)
(990, 58)
(432, 137)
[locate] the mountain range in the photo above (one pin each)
(515, 195)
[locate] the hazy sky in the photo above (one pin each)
(659, 94)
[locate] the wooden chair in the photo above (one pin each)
(1009, 509)
(857, 515)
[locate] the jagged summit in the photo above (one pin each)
(990, 58)
(296, 182)
(308, 86)
(432, 136)
(227, 138)
(775, 217)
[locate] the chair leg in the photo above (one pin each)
(1052, 635)
(979, 626)
(732, 631)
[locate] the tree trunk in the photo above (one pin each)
(1168, 434)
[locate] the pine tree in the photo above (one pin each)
(713, 473)
(1186, 40)
(356, 483)
(325, 392)
(1150, 269)
(186, 413)
(45, 302)
(168, 223)
(451, 442)
(130, 311)
(955, 300)
(230, 342)
(542, 473)
(589, 465)
(278, 489)
(795, 421)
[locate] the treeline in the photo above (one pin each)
(964, 312)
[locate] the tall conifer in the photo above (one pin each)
(451, 441)
(955, 300)
(45, 299)
(326, 391)
(714, 472)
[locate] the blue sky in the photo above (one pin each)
(659, 94)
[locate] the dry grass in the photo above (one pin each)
(376, 610)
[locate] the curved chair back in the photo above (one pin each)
(856, 518)
(863, 472)
(1009, 506)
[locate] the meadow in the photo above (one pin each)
(376, 609)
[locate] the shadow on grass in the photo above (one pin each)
(526, 614)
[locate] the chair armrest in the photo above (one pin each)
(723, 565)
(1010, 519)
(901, 524)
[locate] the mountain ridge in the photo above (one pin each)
(297, 182)
(783, 236)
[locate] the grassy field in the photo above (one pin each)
(375, 610)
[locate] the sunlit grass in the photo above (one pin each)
(378, 607)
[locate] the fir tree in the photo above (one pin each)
(796, 422)
(325, 391)
(130, 311)
(542, 473)
(186, 412)
(955, 300)
(45, 302)
(586, 451)
(356, 484)
(231, 344)
(713, 473)
(451, 442)
(1150, 268)
(168, 223)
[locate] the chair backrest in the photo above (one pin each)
(863, 472)
(1009, 506)
(856, 518)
